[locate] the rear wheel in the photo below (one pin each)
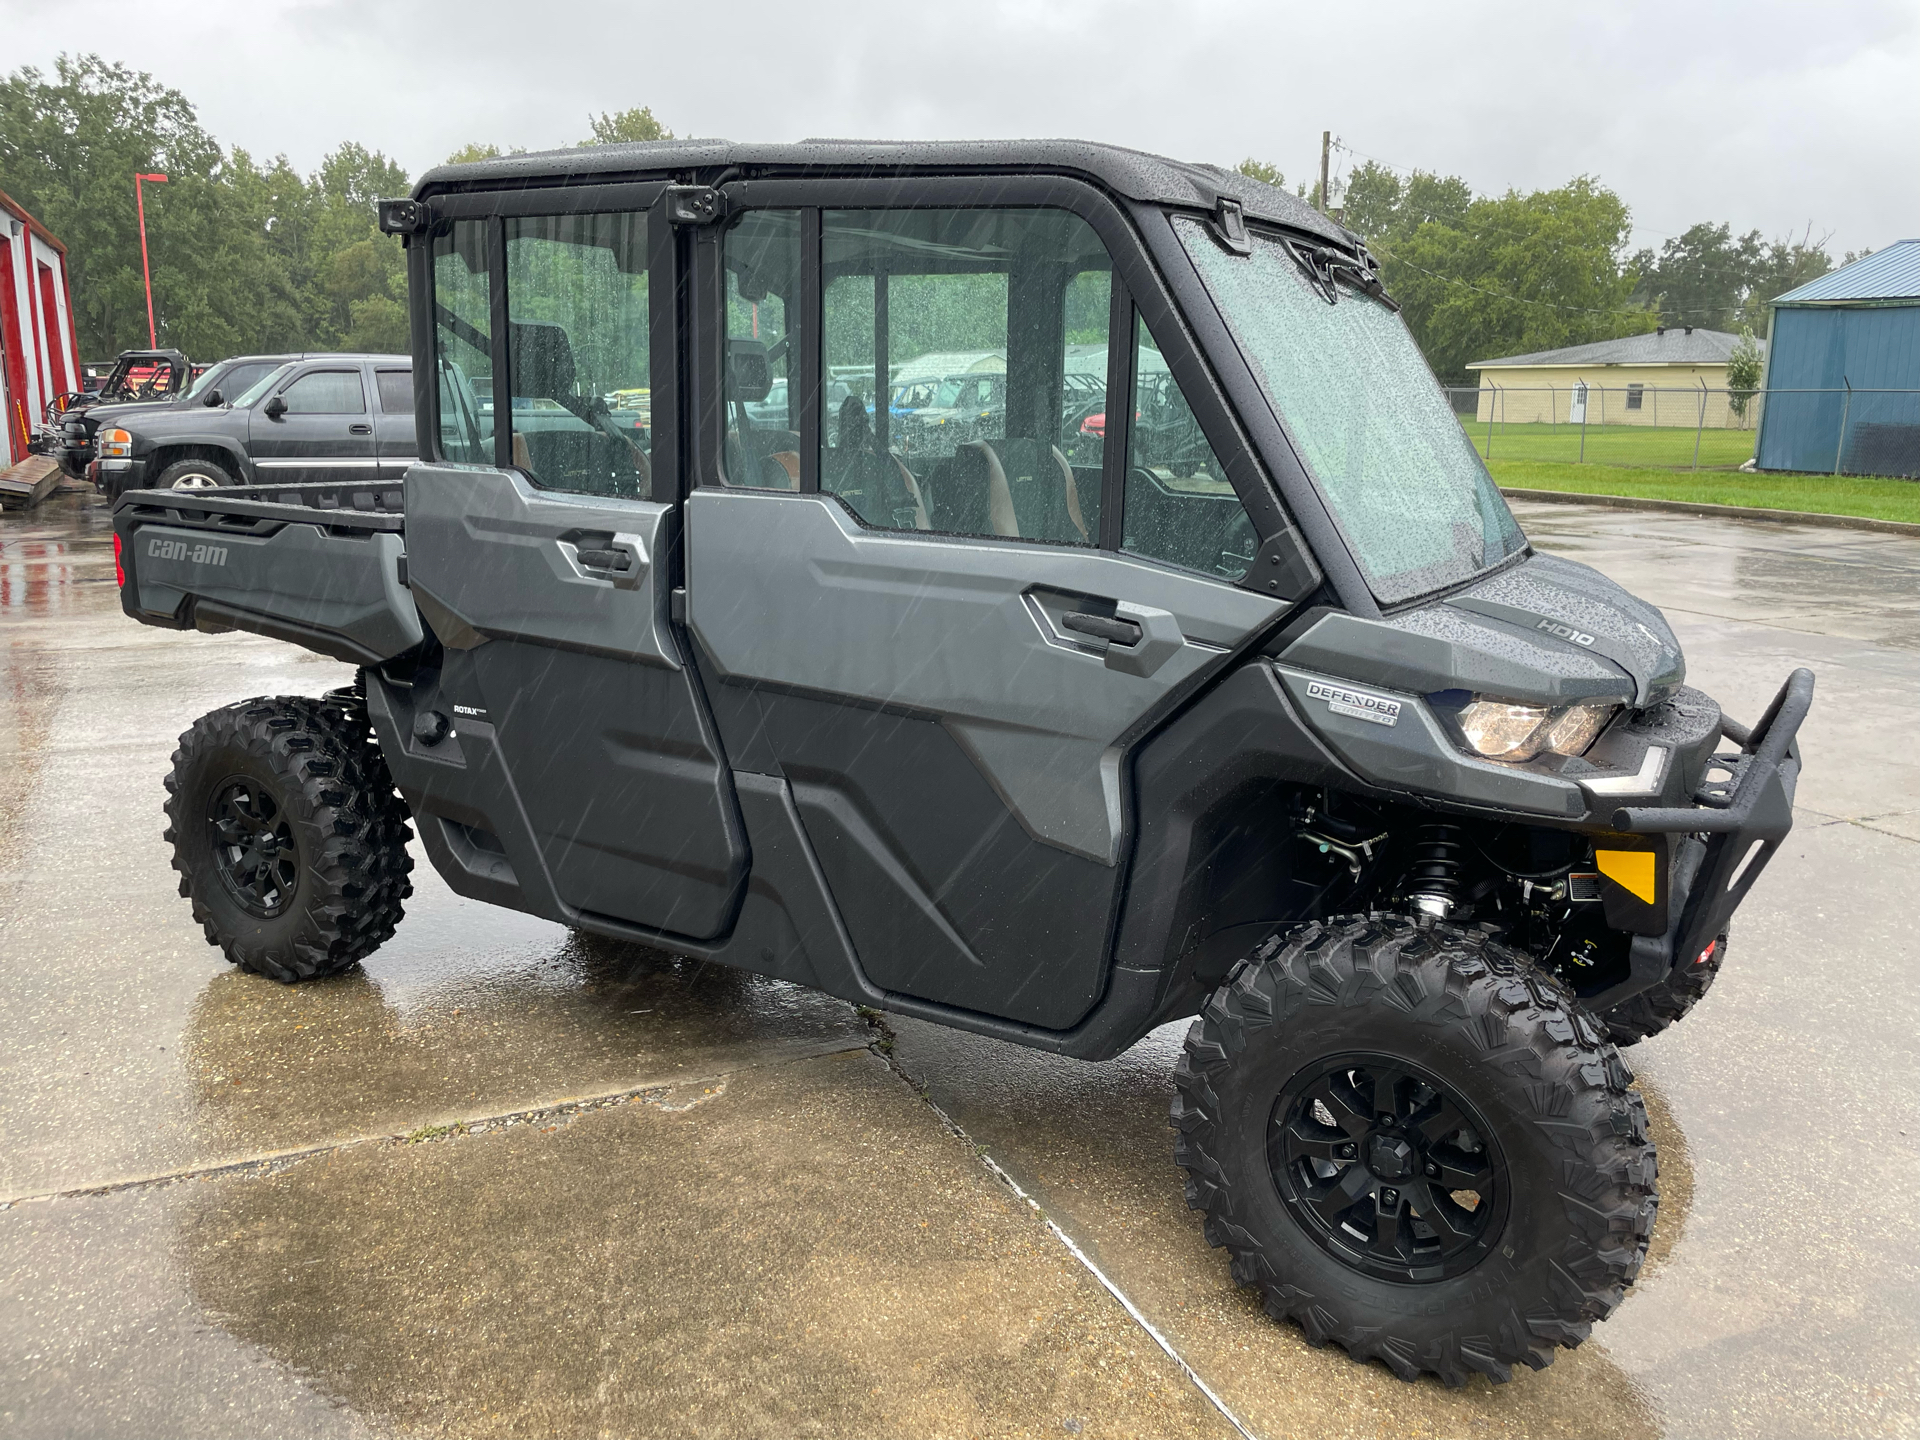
(193, 475)
(288, 838)
(1415, 1145)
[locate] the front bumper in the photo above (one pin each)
(1724, 839)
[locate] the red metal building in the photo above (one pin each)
(39, 355)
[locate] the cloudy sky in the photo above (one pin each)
(1768, 114)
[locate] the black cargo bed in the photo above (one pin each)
(323, 566)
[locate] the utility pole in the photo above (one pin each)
(1326, 150)
(153, 340)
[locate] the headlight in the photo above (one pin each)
(115, 445)
(1503, 731)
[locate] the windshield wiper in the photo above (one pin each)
(1327, 267)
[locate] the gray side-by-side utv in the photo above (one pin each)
(1037, 588)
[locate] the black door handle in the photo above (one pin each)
(604, 559)
(359, 429)
(1104, 627)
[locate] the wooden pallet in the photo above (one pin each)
(29, 482)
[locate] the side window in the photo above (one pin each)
(958, 347)
(579, 353)
(242, 378)
(463, 358)
(762, 254)
(326, 392)
(396, 391)
(1179, 506)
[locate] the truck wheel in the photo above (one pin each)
(1416, 1145)
(192, 475)
(292, 854)
(1658, 1006)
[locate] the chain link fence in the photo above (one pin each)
(1838, 432)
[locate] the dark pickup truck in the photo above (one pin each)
(68, 435)
(320, 419)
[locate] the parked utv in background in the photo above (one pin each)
(69, 435)
(136, 376)
(315, 418)
(1256, 705)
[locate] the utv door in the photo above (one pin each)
(545, 564)
(946, 638)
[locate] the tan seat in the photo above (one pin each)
(1003, 513)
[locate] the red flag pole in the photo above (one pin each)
(153, 338)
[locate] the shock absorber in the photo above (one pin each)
(1433, 881)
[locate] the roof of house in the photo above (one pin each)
(1132, 173)
(7, 202)
(1675, 346)
(1889, 274)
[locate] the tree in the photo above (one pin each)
(480, 150)
(1709, 277)
(69, 147)
(636, 124)
(1380, 204)
(246, 257)
(1745, 365)
(1511, 274)
(1263, 172)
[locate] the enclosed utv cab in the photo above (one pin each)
(1173, 653)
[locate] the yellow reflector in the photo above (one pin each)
(1632, 870)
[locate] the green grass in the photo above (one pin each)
(1819, 494)
(1614, 444)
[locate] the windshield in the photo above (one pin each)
(260, 387)
(206, 381)
(1404, 483)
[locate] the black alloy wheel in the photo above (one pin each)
(254, 850)
(287, 834)
(1388, 1169)
(1416, 1145)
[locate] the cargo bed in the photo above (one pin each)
(323, 566)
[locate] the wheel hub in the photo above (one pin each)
(1388, 1169)
(1389, 1157)
(253, 847)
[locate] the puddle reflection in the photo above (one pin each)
(274, 1066)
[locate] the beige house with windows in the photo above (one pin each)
(1664, 377)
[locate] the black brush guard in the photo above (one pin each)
(1732, 830)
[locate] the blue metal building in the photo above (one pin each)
(1854, 337)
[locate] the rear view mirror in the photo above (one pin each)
(276, 407)
(214, 397)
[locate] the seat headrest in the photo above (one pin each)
(542, 360)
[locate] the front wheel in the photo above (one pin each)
(192, 475)
(1415, 1145)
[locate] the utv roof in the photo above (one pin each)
(1133, 174)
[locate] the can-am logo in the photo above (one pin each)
(160, 549)
(1356, 704)
(1565, 632)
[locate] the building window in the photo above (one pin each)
(1635, 394)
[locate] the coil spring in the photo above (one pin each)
(1433, 883)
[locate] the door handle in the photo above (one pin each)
(618, 557)
(1101, 627)
(359, 429)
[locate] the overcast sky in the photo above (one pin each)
(1767, 114)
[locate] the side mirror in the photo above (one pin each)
(214, 397)
(276, 407)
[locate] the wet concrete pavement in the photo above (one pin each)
(507, 1181)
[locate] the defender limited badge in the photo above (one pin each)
(1355, 703)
